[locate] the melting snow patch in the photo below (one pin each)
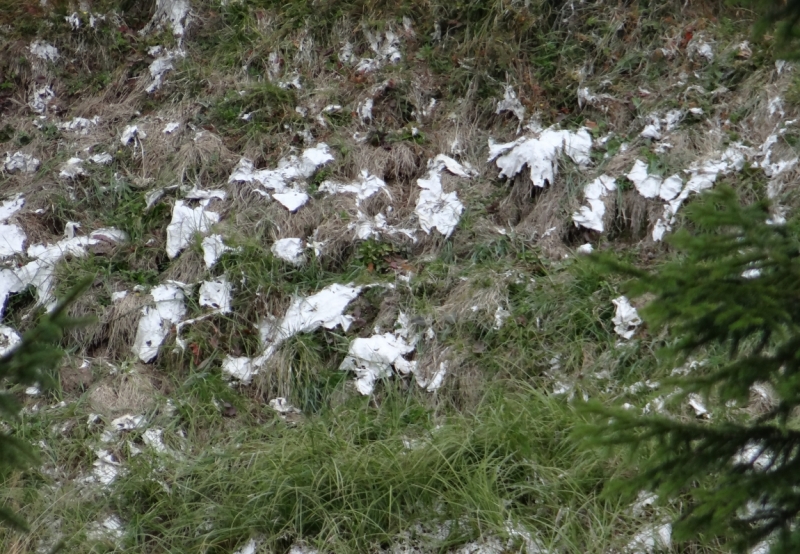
(171, 127)
(38, 273)
(132, 133)
(510, 103)
(175, 12)
(72, 169)
(109, 528)
(305, 314)
(591, 215)
(217, 295)
(12, 240)
(653, 538)
(19, 161)
(500, 316)
(185, 223)
(41, 98)
(44, 51)
(79, 125)
(435, 209)
(540, 154)
(626, 318)
(9, 339)
(160, 67)
(154, 438)
(373, 358)
(282, 406)
(249, 548)
(363, 187)
(585, 249)
(10, 207)
(698, 47)
(106, 467)
(213, 248)
(156, 320)
(386, 49)
(652, 186)
(367, 227)
(104, 158)
(290, 250)
(287, 181)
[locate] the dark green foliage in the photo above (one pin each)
(33, 361)
(784, 17)
(737, 287)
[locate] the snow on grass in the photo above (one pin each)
(435, 208)
(304, 315)
(213, 248)
(79, 125)
(290, 250)
(363, 187)
(187, 221)
(41, 98)
(72, 169)
(19, 161)
(156, 320)
(540, 154)
(9, 339)
(626, 319)
(44, 51)
(216, 294)
(287, 183)
(591, 215)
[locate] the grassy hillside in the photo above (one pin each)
(217, 405)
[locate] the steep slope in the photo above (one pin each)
(336, 249)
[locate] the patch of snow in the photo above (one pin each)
(44, 51)
(652, 186)
(213, 248)
(500, 316)
(187, 221)
(216, 294)
(9, 339)
(435, 209)
(386, 49)
(106, 468)
(363, 187)
(697, 47)
(373, 358)
(104, 158)
(72, 169)
(540, 154)
(38, 273)
(510, 103)
(304, 315)
(292, 200)
(73, 20)
(287, 181)
(282, 406)
(591, 215)
(10, 207)
(19, 161)
(241, 369)
(154, 438)
(156, 320)
(653, 129)
(173, 12)
(290, 250)
(12, 240)
(696, 403)
(249, 548)
(132, 133)
(40, 98)
(79, 125)
(653, 538)
(367, 227)
(119, 295)
(626, 319)
(197, 194)
(170, 127)
(585, 249)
